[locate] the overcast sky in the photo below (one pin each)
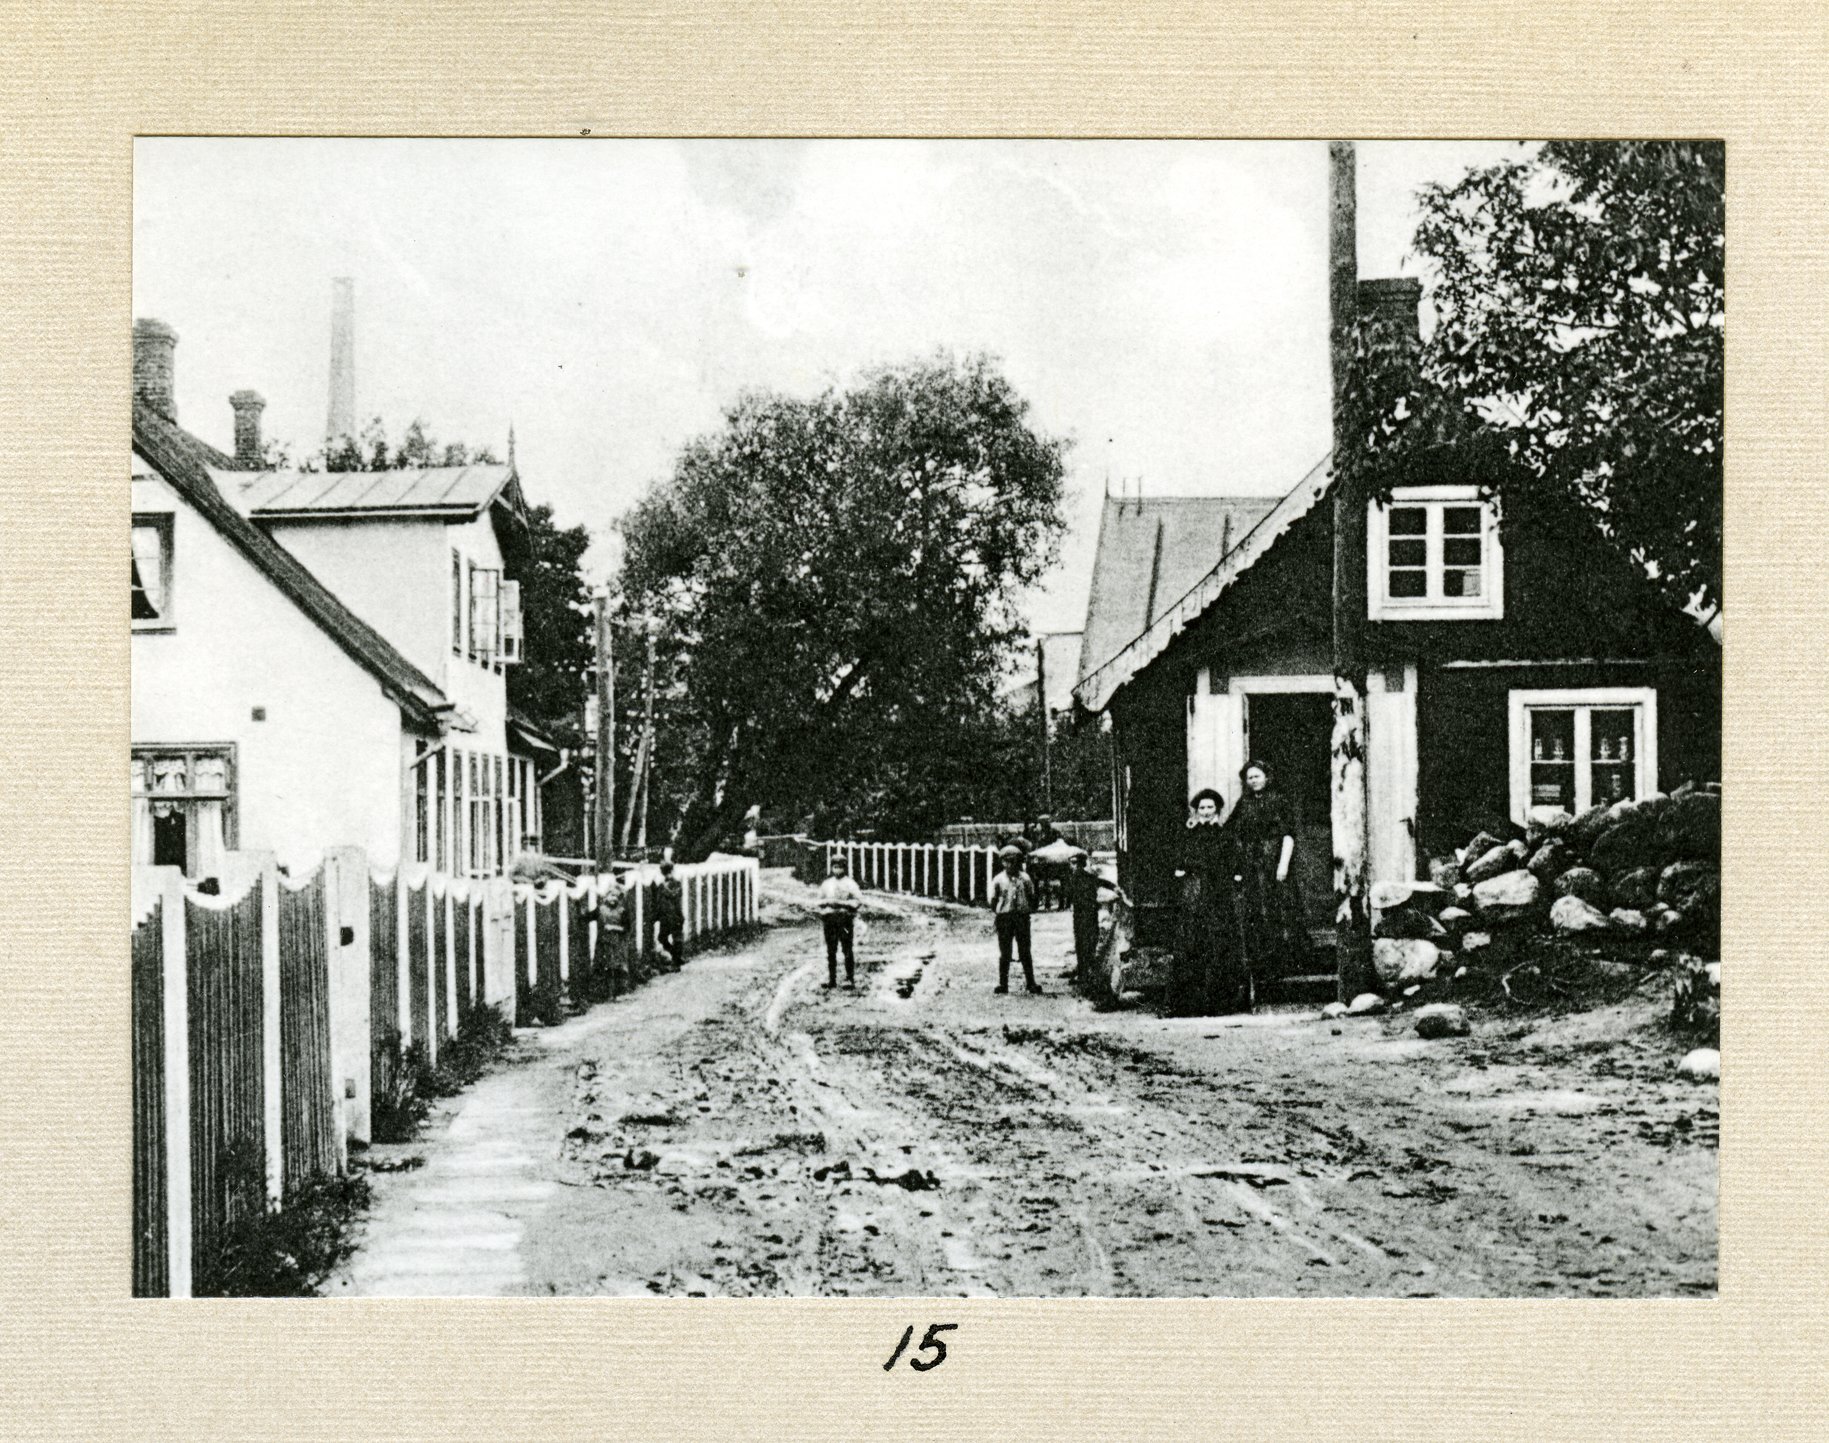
(1161, 303)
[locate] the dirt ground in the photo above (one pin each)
(734, 1130)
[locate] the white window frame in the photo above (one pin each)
(485, 616)
(165, 524)
(508, 594)
(1642, 700)
(1434, 606)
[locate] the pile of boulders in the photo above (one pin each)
(1633, 870)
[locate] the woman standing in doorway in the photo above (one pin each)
(1271, 929)
(1211, 973)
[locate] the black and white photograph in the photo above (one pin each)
(926, 718)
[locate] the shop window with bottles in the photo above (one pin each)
(1571, 750)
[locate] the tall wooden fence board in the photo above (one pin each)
(151, 1272)
(228, 1085)
(308, 1110)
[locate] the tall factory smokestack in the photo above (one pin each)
(342, 421)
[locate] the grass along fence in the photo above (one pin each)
(267, 1016)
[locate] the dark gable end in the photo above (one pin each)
(184, 462)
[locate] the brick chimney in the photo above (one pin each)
(153, 344)
(248, 406)
(1394, 303)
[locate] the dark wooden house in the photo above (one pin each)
(1514, 662)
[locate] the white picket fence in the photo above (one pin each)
(921, 869)
(262, 1011)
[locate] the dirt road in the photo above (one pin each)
(735, 1130)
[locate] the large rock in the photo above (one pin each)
(1702, 1065)
(1630, 921)
(1690, 828)
(1692, 888)
(1455, 920)
(1419, 896)
(1582, 882)
(1551, 859)
(1405, 922)
(1442, 1019)
(1507, 897)
(1490, 863)
(1636, 889)
(1365, 1004)
(1539, 828)
(1444, 872)
(1482, 843)
(1628, 843)
(1404, 960)
(1585, 830)
(1572, 916)
(1333, 1010)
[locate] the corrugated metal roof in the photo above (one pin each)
(1150, 552)
(186, 464)
(464, 490)
(1101, 682)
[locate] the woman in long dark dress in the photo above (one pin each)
(1211, 974)
(1271, 929)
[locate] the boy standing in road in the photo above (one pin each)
(839, 899)
(670, 914)
(1012, 902)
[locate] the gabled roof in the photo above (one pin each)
(450, 492)
(186, 463)
(1097, 688)
(1150, 551)
(1273, 518)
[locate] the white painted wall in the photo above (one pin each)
(396, 575)
(324, 768)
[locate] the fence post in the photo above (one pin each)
(533, 934)
(448, 963)
(565, 933)
(175, 967)
(346, 915)
(268, 882)
(430, 963)
(403, 961)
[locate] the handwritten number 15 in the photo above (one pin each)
(930, 1342)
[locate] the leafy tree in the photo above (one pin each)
(836, 581)
(1580, 295)
(552, 680)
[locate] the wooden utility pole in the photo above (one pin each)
(1353, 941)
(1041, 706)
(647, 743)
(644, 755)
(605, 810)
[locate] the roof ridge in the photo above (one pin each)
(181, 459)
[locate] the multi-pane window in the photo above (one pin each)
(503, 824)
(183, 807)
(1432, 553)
(457, 603)
(422, 810)
(1571, 750)
(152, 571)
